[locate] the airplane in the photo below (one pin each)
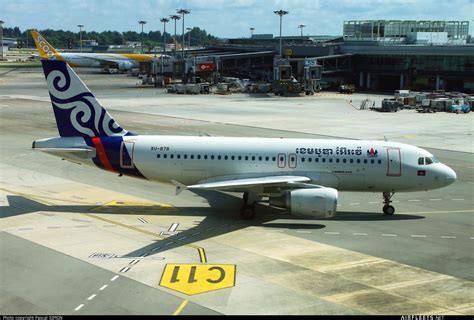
(301, 175)
(107, 61)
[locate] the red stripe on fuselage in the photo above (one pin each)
(101, 154)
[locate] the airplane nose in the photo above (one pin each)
(450, 175)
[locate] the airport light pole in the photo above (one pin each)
(281, 13)
(183, 12)
(251, 32)
(164, 20)
(142, 23)
(189, 37)
(301, 26)
(1, 38)
(175, 18)
(80, 34)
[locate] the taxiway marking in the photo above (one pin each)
(92, 297)
(114, 278)
(103, 287)
(124, 269)
(181, 307)
(79, 307)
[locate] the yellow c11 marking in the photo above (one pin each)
(202, 255)
(193, 279)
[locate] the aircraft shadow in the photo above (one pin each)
(220, 218)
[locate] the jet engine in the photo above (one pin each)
(125, 65)
(312, 203)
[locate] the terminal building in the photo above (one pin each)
(384, 55)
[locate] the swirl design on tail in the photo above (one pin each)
(77, 111)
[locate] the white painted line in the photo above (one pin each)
(144, 255)
(435, 199)
(224, 225)
(414, 200)
(103, 287)
(374, 202)
(339, 205)
(448, 237)
(92, 297)
(155, 249)
(354, 204)
(388, 235)
(169, 243)
(210, 229)
(331, 232)
(418, 236)
(79, 307)
(134, 262)
(303, 231)
(124, 269)
(173, 227)
(360, 234)
(472, 238)
(395, 201)
(457, 199)
(196, 233)
(182, 238)
(114, 278)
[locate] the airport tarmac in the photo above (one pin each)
(76, 240)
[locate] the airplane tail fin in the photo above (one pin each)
(77, 111)
(45, 50)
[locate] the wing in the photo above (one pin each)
(249, 183)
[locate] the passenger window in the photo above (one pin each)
(274, 159)
(380, 161)
(358, 160)
(428, 161)
(302, 159)
(192, 157)
(259, 158)
(226, 157)
(240, 157)
(219, 157)
(344, 160)
(337, 160)
(310, 159)
(316, 159)
(178, 156)
(185, 156)
(158, 156)
(232, 158)
(323, 160)
(199, 157)
(205, 157)
(365, 160)
(372, 161)
(330, 160)
(253, 158)
(267, 158)
(165, 156)
(246, 158)
(421, 161)
(212, 157)
(172, 156)
(351, 160)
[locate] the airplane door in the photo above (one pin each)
(126, 154)
(292, 160)
(281, 160)
(394, 163)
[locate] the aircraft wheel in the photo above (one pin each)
(388, 210)
(247, 212)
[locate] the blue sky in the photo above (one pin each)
(226, 18)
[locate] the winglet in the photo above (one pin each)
(179, 186)
(45, 50)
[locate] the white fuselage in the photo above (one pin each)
(346, 165)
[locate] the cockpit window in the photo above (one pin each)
(428, 161)
(421, 161)
(435, 160)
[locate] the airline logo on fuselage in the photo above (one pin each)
(372, 153)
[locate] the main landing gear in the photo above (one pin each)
(247, 211)
(387, 208)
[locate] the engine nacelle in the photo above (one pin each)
(312, 203)
(125, 65)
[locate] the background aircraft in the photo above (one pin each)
(303, 175)
(107, 61)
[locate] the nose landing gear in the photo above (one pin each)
(387, 208)
(247, 211)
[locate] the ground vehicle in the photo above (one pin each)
(459, 108)
(347, 88)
